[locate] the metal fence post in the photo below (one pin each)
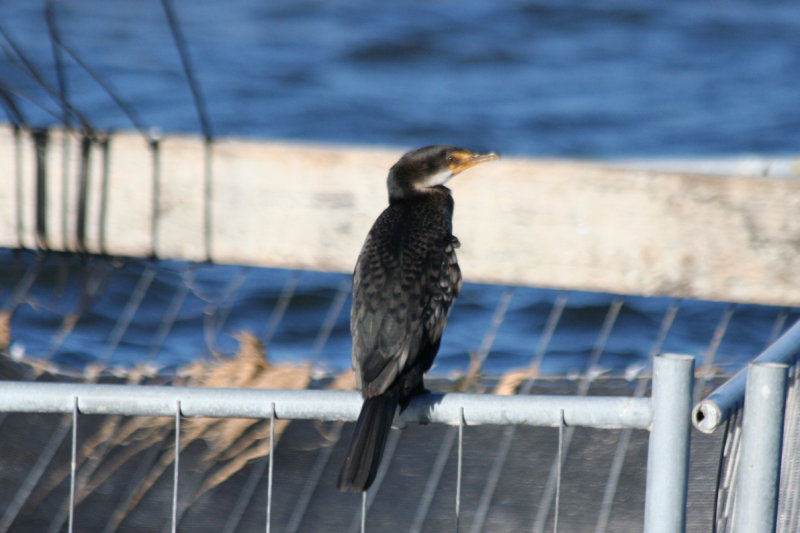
(668, 451)
(756, 500)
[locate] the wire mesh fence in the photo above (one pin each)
(88, 319)
(512, 476)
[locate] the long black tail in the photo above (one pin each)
(366, 446)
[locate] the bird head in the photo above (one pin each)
(430, 167)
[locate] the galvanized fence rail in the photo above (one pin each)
(628, 413)
(666, 415)
(754, 468)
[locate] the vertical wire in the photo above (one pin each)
(583, 388)
(248, 490)
(625, 436)
(364, 512)
(447, 443)
(561, 424)
(271, 463)
(433, 480)
(175, 474)
(446, 447)
(391, 445)
(314, 477)
(493, 478)
(73, 464)
(458, 470)
(370, 495)
(96, 278)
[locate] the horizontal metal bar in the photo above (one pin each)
(713, 411)
(149, 400)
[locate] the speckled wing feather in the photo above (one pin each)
(405, 280)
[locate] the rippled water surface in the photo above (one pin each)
(167, 314)
(554, 77)
(562, 78)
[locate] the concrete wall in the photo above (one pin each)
(563, 224)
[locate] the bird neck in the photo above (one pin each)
(400, 194)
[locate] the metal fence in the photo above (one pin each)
(666, 492)
(756, 462)
(760, 461)
(666, 415)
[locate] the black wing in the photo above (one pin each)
(404, 283)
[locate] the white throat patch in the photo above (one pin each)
(440, 178)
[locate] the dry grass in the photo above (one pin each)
(5, 330)
(511, 381)
(229, 443)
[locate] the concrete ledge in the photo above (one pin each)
(562, 224)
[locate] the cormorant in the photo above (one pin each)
(405, 279)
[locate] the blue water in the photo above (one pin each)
(555, 77)
(189, 311)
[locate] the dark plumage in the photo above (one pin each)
(404, 282)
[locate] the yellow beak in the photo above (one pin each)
(463, 160)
